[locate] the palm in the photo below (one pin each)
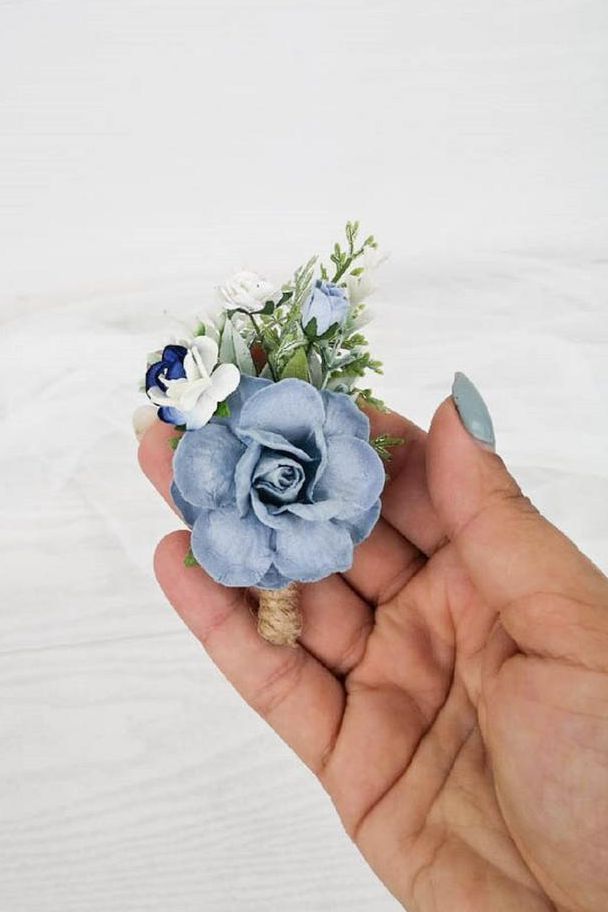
(450, 748)
(411, 760)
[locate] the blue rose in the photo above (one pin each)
(187, 383)
(327, 304)
(281, 490)
(169, 367)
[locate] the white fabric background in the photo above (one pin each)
(146, 148)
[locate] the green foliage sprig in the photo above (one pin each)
(272, 342)
(384, 444)
(190, 560)
(344, 259)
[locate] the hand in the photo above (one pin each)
(450, 691)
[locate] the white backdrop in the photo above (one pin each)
(147, 147)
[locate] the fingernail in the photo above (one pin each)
(473, 411)
(143, 418)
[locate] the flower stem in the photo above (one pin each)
(346, 265)
(258, 335)
(279, 616)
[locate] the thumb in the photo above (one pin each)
(521, 565)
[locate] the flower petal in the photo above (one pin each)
(354, 474)
(171, 415)
(172, 353)
(320, 511)
(153, 376)
(204, 465)
(273, 520)
(290, 407)
(311, 551)
(272, 441)
(343, 416)
(361, 524)
(233, 550)
(282, 517)
(175, 370)
(272, 579)
(208, 351)
(243, 475)
(246, 388)
(188, 511)
(224, 380)
(202, 412)
(191, 368)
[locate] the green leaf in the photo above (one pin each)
(311, 329)
(357, 339)
(315, 368)
(297, 367)
(287, 294)
(173, 441)
(222, 411)
(233, 350)
(330, 332)
(244, 361)
(190, 560)
(226, 353)
(384, 444)
(201, 330)
(366, 396)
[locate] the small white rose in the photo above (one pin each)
(247, 289)
(195, 397)
(361, 287)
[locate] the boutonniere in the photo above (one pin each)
(274, 469)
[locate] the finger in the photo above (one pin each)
(521, 565)
(287, 686)
(406, 503)
(336, 623)
(155, 456)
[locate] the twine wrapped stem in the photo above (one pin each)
(279, 616)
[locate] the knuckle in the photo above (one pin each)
(280, 684)
(354, 649)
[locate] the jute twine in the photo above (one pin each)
(279, 616)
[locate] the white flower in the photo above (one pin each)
(247, 289)
(192, 399)
(361, 287)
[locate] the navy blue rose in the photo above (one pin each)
(327, 304)
(187, 383)
(169, 367)
(281, 490)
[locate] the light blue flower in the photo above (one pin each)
(282, 489)
(327, 304)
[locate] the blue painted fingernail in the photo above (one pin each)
(473, 411)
